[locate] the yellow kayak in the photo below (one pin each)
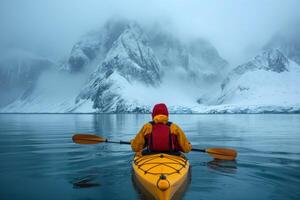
(161, 174)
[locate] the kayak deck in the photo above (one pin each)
(161, 174)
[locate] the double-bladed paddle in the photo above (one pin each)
(217, 153)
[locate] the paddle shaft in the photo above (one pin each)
(125, 142)
(199, 150)
(218, 153)
(118, 142)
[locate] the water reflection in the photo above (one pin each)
(225, 166)
(39, 160)
(85, 182)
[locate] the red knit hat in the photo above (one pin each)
(160, 109)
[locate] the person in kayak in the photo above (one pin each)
(160, 135)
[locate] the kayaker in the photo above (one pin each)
(160, 135)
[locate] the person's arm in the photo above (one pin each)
(137, 144)
(183, 142)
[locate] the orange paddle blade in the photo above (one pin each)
(222, 154)
(87, 139)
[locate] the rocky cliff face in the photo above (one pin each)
(132, 57)
(130, 60)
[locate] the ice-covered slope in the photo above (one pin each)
(269, 82)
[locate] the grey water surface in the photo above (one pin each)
(38, 159)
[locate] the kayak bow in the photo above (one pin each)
(161, 174)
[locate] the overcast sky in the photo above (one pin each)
(237, 28)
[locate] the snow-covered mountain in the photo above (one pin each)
(19, 71)
(136, 67)
(126, 67)
(269, 81)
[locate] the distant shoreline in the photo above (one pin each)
(132, 113)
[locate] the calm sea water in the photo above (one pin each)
(39, 161)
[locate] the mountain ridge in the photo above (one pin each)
(124, 68)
